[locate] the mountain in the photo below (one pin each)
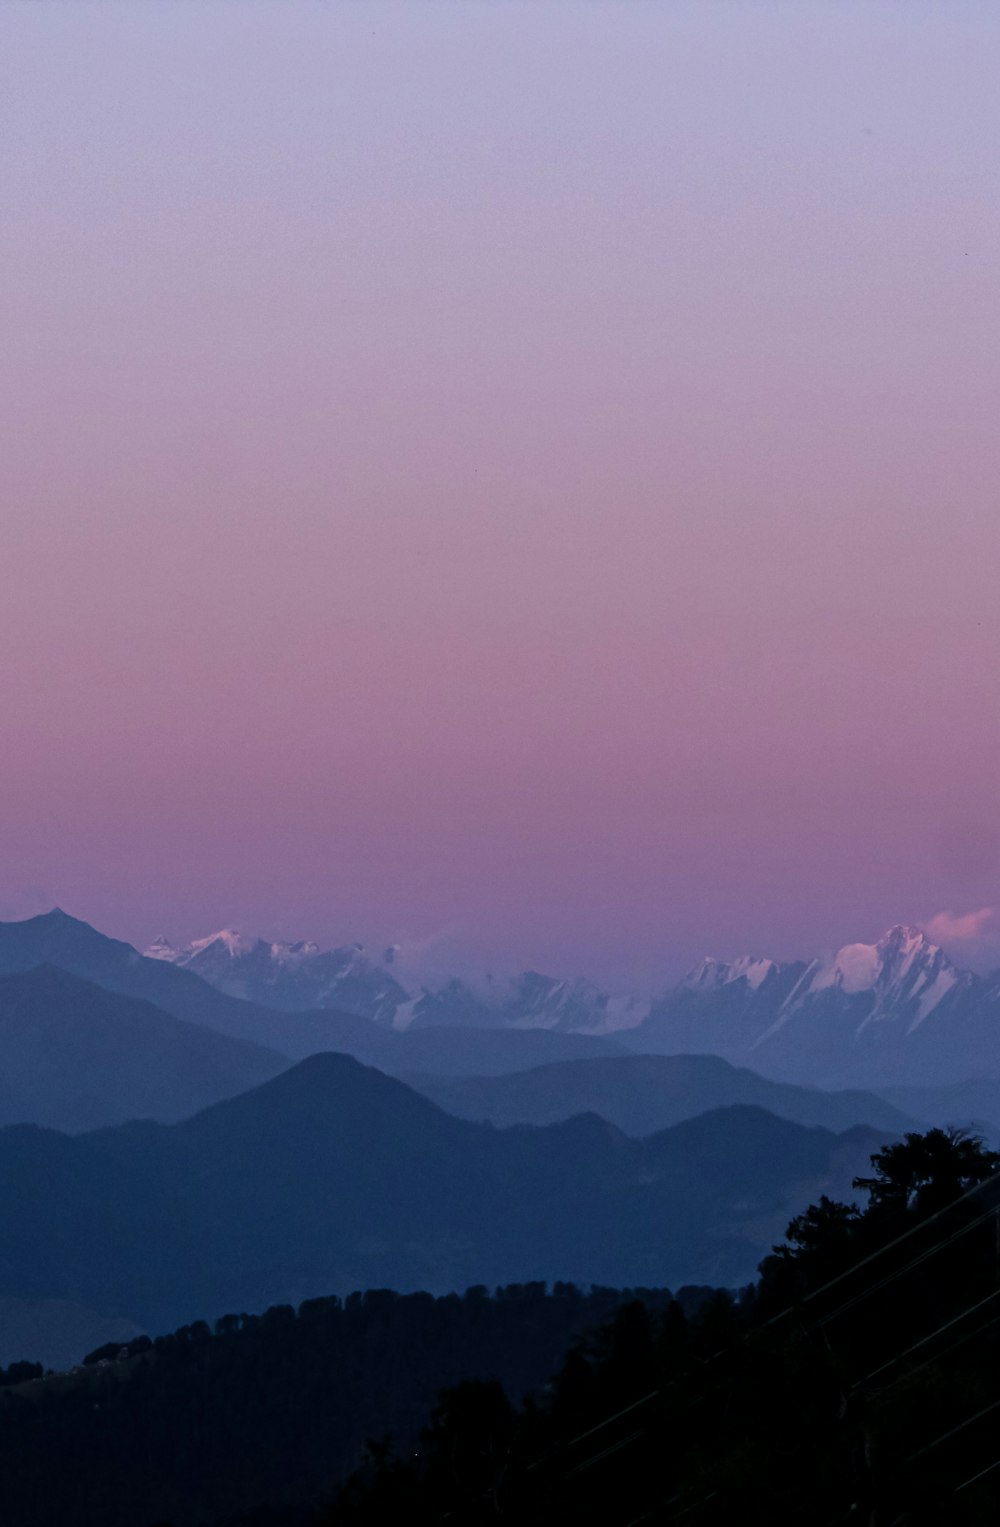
(291, 976)
(641, 1094)
(894, 1011)
(333, 1177)
(460, 1051)
(58, 939)
(298, 976)
(897, 1012)
(74, 1056)
(530, 1001)
(55, 938)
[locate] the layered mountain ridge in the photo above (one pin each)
(891, 1010)
(293, 976)
(895, 1010)
(333, 1176)
(297, 976)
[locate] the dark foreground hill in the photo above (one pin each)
(333, 1177)
(645, 1093)
(74, 1056)
(59, 940)
(270, 1411)
(856, 1380)
(855, 1383)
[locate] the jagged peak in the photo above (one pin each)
(906, 936)
(160, 949)
(712, 973)
(57, 915)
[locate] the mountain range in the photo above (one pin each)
(58, 940)
(75, 1056)
(299, 975)
(641, 1094)
(897, 1011)
(293, 977)
(509, 1153)
(333, 1177)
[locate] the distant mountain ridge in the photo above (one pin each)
(903, 971)
(58, 940)
(641, 1094)
(334, 1176)
(898, 1010)
(75, 1056)
(298, 975)
(894, 1011)
(291, 976)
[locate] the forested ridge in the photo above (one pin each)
(268, 1414)
(857, 1381)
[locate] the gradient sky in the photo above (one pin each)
(518, 475)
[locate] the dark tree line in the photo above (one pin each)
(267, 1414)
(857, 1382)
(20, 1373)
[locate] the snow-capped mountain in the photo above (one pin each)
(711, 974)
(903, 977)
(290, 976)
(531, 1001)
(544, 1002)
(298, 976)
(894, 1010)
(866, 1009)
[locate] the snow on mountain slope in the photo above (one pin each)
(162, 949)
(290, 976)
(861, 1012)
(711, 974)
(298, 976)
(865, 1010)
(903, 974)
(537, 1001)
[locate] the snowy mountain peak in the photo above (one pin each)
(712, 973)
(228, 939)
(294, 975)
(903, 949)
(904, 975)
(301, 949)
(869, 967)
(901, 934)
(853, 968)
(161, 949)
(888, 1005)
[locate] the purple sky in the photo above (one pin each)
(523, 475)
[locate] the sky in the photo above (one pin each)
(517, 479)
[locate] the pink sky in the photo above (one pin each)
(528, 472)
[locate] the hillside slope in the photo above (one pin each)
(333, 1177)
(57, 939)
(645, 1093)
(74, 1056)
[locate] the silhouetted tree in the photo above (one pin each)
(924, 1172)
